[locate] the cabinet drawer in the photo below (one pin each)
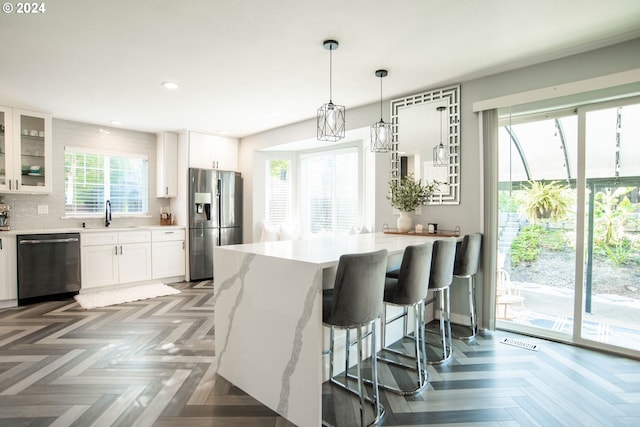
(167, 235)
(138, 236)
(94, 239)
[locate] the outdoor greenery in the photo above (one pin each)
(531, 240)
(545, 201)
(612, 211)
(408, 193)
(279, 168)
(507, 202)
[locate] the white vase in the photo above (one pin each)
(404, 222)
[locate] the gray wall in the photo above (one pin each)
(469, 214)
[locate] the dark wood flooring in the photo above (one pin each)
(150, 363)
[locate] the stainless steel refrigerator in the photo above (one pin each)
(215, 217)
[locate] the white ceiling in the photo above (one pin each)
(245, 66)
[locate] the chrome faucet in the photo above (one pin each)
(107, 213)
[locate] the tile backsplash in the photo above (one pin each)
(24, 208)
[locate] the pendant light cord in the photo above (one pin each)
(441, 127)
(381, 99)
(331, 75)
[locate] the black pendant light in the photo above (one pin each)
(330, 116)
(441, 151)
(381, 131)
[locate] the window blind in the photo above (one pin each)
(92, 178)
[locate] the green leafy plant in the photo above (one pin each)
(611, 210)
(531, 240)
(545, 201)
(619, 254)
(526, 246)
(408, 193)
(507, 202)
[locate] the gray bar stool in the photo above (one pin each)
(409, 289)
(440, 279)
(466, 267)
(356, 301)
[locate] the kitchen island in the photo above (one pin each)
(269, 336)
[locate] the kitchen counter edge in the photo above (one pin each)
(91, 230)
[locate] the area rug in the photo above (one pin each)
(122, 295)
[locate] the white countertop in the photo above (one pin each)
(90, 230)
(326, 251)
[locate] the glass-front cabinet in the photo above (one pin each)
(25, 151)
(5, 141)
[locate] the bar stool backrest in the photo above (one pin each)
(468, 255)
(413, 277)
(442, 260)
(359, 288)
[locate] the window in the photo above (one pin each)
(278, 194)
(330, 202)
(92, 178)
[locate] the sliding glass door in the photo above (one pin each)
(611, 292)
(537, 227)
(569, 225)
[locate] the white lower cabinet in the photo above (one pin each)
(110, 258)
(168, 253)
(8, 276)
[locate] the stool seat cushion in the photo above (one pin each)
(328, 295)
(356, 298)
(443, 258)
(412, 281)
(468, 255)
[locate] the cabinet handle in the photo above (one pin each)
(166, 191)
(1, 244)
(183, 245)
(120, 249)
(16, 184)
(116, 249)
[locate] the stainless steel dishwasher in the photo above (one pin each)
(48, 266)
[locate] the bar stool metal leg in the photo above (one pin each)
(378, 409)
(420, 359)
(445, 326)
(466, 267)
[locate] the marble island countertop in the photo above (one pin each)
(268, 302)
(326, 251)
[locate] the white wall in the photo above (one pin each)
(23, 214)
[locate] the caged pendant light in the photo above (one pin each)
(441, 151)
(330, 116)
(381, 131)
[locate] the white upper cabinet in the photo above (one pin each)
(167, 165)
(25, 152)
(212, 152)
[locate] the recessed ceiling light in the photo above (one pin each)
(170, 85)
(116, 122)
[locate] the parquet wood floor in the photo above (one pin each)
(145, 363)
(151, 363)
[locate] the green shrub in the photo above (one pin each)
(619, 253)
(531, 239)
(526, 246)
